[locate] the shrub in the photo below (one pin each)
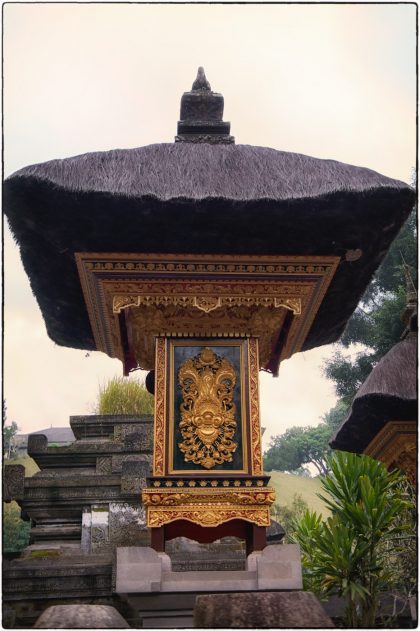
(123, 396)
(347, 555)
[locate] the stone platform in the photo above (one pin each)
(142, 569)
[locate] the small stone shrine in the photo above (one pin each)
(202, 262)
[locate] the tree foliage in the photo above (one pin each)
(299, 446)
(348, 554)
(9, 433)
(15, 530)
(287, 514)
(123, 396)
(377, 323)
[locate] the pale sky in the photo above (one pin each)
(330, 81)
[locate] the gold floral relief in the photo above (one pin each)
(207, 410)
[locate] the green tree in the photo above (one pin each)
(123, 396)
(15, 530)
(347, 554)
(299, 446)
(334, 417)
(377, 322)
(9, 434)
(287, 514)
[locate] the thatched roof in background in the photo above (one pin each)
(200, 198)
(388, 394)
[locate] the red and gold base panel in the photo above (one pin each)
(207, 462)
(208, 507)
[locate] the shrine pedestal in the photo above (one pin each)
(145, 570)
(208, 481)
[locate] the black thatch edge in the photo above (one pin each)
(368, 416)
(50, 223)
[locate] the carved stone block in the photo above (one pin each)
(133, 477)
(103, 464)
(36, 443)
(266, 610)
(99, 533)
(119, 459)
(13, 482)
(139, 439)
(127, 525)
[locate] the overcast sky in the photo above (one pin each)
(331, 81)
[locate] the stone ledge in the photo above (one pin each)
(145, 570)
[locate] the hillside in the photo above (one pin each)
(287, 485)
(30, 465)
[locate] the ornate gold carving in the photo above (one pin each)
(208, 506)
(207, 412)
(254, 407)
(205, 285)
(160, 409)
(207, 517)
(148, 322)
(208, 264)
(199, 495)
(206, 303)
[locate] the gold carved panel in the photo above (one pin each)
(207, 410)
(212, 420)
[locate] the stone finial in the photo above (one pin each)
(202, 115)
(201, 82)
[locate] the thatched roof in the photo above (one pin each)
(200, 198)
(388, 394)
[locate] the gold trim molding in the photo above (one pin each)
(207, 303)
(208, 507)
(160, 408)
(206, 516)
(254, 407)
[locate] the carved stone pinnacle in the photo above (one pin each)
(201, 82)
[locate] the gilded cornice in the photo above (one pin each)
(199, 295)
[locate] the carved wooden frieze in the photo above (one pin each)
(396, 446)
(132, 298)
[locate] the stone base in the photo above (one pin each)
(281, 610)
(144, 570)
(81, 617)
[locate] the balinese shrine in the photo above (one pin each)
(202, 262)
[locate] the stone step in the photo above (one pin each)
(209, 581)
(170, 619)
(56, 532)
